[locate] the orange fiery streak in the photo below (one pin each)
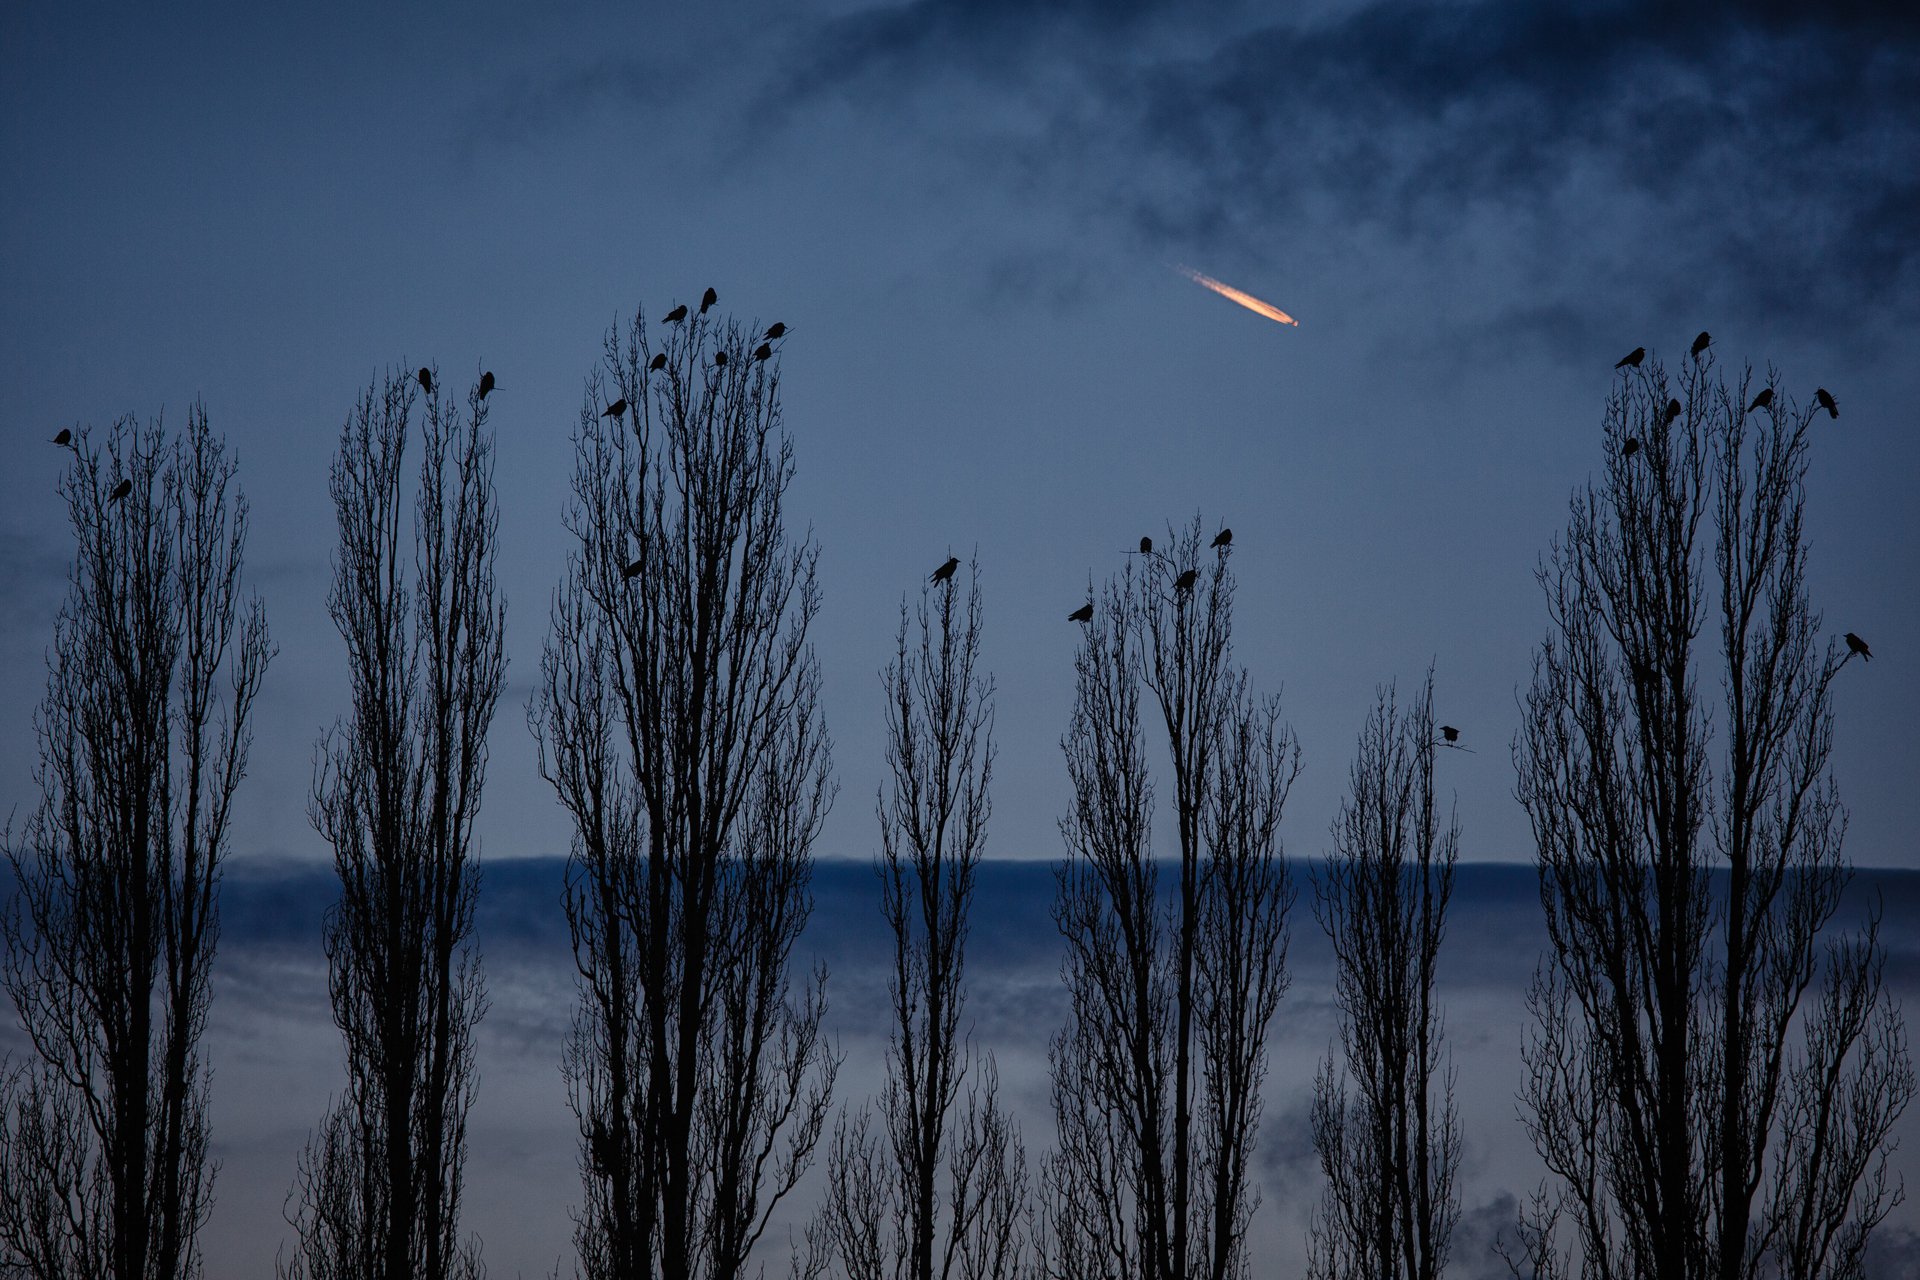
(1232, 294)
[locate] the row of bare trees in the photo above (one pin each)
(1711, 1081)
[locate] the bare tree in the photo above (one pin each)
(143, 737)
(1385, 1125)
(1699, 1115)
(1156, 1080)
(396, 790)
(677, 718)
(947, 1186)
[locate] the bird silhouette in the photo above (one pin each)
(1701, 343)
(1762, 400)
(1631, 447)
(1185, 581)
(945, 571)
(1856, 645)
(762, 351)
(776, 331)
(719, 359)
(1825, 398)
(707, 299)
(1673, 411)
(425, 378)
(676, 315)
(1449, 733)
(65, 437)
(615, 409)
(1146, 546)
(1224, 538)
(1083, 614)
(633, 568)
(120, 491)
(1631, 359)
(486, 383)
(658, 363)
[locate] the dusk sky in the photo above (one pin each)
(971, 217)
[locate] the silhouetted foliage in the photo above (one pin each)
(944, 1184)
(397, 787)
(1172, 978)
(677, 718)
(143, 739)
(1699, 1115)
(1383, 1116)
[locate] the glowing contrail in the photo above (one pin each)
(1232, 294)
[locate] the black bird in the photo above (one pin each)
(65, 437)
(945, 571)
(633, 569)
(425, 378)
(676, 315)
(1224, 538)
(120, 491)
(719, 359)
(707, 299)
(1631, 447)
(1825, 398)
(1856, 645)
(1083, 614)
(1185, 581)
(1146, 546)
(1632, 358)
(615, 409)
(1762, 400)
(1673, 411)
(486, 383)
(762, 351)
(658, 363)
(1450, 733)
(776, 331)
(1701, 343)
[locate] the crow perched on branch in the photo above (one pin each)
(1700, 344)
(1146, 546)
(707, 299)
(1632, 359)
(676, 315)
(1083, 614)
(658, 363)
(1762, 400)
(615, 409)
(425, 378)
(945, 571)
(1185, 581)
(125, 487)
(486, 383)
(65, 437)
(1224, 538)
(1826, 401)
(776, 331)
(1856, 645)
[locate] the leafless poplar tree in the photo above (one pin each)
(677, 718)
(1172, 980)
(944, 1184)
(143, 737)
(1390, 1143)
(396, 790)
(1699, 1114)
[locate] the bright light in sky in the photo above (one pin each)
(1232, 294)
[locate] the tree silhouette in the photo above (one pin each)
(1172, 980)
(944, 1185)
(396, 790)
(1385, 1125)
(677, 718)
(143, 738)
(1700, 1116)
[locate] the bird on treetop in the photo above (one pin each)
(1825, 398)
(1762, 400)
(1185, 581)
(945, 571)
(65, 437)
(1083, 614)
(120, 491)
(1631, 447)
(1146, 546)
(1224, 538)
(658, 363)
(719, 359)
(762, 351)
(1856, 645)
(707, 299)
(425, 378)
(676, 315)
(1701, 343)
(634, 567)
(1632, 359)
(1673, 411)
(486, 383)
(776, 331)
(615, 409)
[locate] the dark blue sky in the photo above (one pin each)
(966, 213)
